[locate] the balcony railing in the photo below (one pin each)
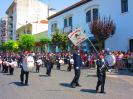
(67, 29)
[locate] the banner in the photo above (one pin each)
(77, 36)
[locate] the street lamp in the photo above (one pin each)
(50, 9)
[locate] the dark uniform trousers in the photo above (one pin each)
(49, 67)
(101, 82)
(11, 70)
(76, 77)
(38, 68)
(101, 74)
(0, 66)
(26, 74)
(5, 69)
(69, 66)
(58, 65)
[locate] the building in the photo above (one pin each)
(3, 30)
(83, 12)
(24, 12)
(32, 28)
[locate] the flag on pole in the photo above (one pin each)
(77, 36)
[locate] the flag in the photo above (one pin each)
(77, 36)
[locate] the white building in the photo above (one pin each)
(23, 12)
(81, 13)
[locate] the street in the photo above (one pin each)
(57, 86)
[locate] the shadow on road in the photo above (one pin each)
(17, 83)
(43, 75)
(65, 85)
(91, 75)
(6, 74)
(88, 90)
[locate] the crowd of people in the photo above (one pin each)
(9, 60)
(75, 60)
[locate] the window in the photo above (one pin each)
(124, 6)
(67, 22)
(95, 14)
(70, 21)
(88, 16)
(92, 14)
(53, 27)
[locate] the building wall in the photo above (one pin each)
(112, 8)
(3, 30)
(27, 11)
(38, 27)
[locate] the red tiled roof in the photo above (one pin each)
(41, 22)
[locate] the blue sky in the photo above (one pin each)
(57, 4)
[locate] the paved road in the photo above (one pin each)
(57, 86)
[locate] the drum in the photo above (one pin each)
(0, 61)
(71, 61)
(61, 62)
(14, 64)
(39, 62)
(110, 59)
(30, 62)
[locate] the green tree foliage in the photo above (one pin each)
(44, 42)
(11, 45)
(26, 42)
(60, 39)
(102, 29)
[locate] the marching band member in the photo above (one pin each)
(102, 66)
(28, 63)
(5, 64)
(49, 64)
(70, 62)
(38, 64)
(0, 62)
(58, 58)
(101, 74)
(77, 67)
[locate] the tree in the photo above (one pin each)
(26, 42)
(102, 29)
(60, 39)
(44, 42)
(11, 45)
(64, 42)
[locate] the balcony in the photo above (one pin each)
(67, 29)
(4, 39)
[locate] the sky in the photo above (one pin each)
(56, 4)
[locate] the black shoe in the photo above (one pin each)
(26, 84)
(48, 75)
(73, 85)
(78, 85)
(102, 92)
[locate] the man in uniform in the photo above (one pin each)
(101, 74)
(25, 70)
(77, 67)
(49, 64)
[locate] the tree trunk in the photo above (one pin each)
(101, 44)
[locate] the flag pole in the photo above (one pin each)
(93, 47)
